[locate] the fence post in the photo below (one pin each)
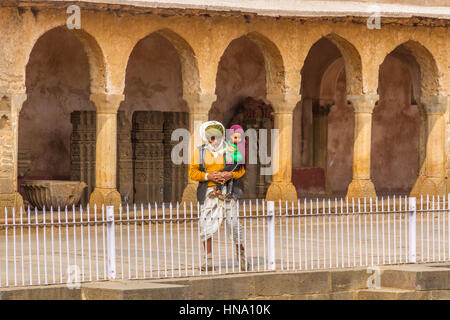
(412, 229)
(271, 233)
(111, 242)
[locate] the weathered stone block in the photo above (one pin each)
(433, 280)
(133, 290)
(344, 295)
(343, 280)
(292, 283)
(398, 279)
(393, 294)
(423, 278)
(53, 292)
(228, 287)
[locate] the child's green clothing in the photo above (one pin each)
(232, 152)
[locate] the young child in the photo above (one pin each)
(233, 161)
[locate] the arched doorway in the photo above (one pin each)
(419, 131)
(152, 109)
(241, 99)
(58, 83)
(323, 124)
(396, 124)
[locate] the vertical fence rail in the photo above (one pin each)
(412, 230)
(111, 240)
(271, 234)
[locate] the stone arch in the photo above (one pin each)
(353, 65)
(58, 83)
(96, 58)
(428, 69)
(250, 70)
(323, 121)
(273, 62)
(189, 65)
(161, 79)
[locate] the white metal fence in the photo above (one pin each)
(157, 241)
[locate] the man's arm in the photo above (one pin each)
(239, 173)
(194, 168)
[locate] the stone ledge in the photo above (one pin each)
(52, 292)
(133, 290)
(417, 277)
(331, 284)
(301, 8)
(393, 294)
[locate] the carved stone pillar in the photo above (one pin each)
(125, 158)
(199, 106)
(82, 153)
(148, 156)
(105, 192)
(82, 150)
(10, 106)
(361, 185)
(282, 187)
(432, 180)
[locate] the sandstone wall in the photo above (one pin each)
(59, 76)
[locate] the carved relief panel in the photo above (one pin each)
(148, 156)
(145, 171)
(82, 150)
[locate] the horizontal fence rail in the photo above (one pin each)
(74, 245)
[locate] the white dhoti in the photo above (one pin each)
(213, 211)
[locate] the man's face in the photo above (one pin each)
(215, 141)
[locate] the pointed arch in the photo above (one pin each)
(96, 58)
(428, 69)
(273, 62)
(189, 65)
(353, 65)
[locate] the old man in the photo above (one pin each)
(206, 166)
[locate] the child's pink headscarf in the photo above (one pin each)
(241, 145)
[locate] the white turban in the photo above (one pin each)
(218, 126)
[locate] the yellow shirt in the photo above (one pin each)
(211, 164)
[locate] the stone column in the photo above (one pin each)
(10, 106)
(361, 185)
(105, 192)
(199, 106)
(282, 187)
(320, 125)
(432, 180)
